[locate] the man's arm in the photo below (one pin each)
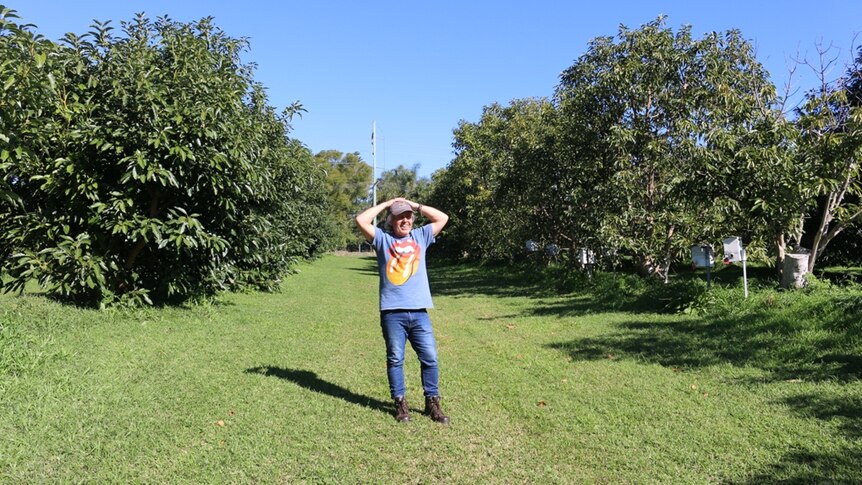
(365, 219)
(436, 217)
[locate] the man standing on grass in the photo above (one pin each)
(405, 296)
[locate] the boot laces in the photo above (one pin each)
(402, 406)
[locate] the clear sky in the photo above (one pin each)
(418, 67)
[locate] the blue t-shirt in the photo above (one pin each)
(401, 264)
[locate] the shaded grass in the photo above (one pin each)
(808, 340)
(548, 378)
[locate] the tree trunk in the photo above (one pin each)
(826, 239)
(826, 216)
(781, 249)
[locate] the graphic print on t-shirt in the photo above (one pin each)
(403, 261)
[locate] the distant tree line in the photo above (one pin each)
(653, 141)
(348, 182)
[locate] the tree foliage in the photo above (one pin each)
(663, 117)
(348, 178)
(148, 166)
(830, 122)
(654, 140)
(403, 182)
(493, 190)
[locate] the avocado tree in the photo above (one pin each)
(150, 167)
(644, 115)
(830, 122)
(469, 189)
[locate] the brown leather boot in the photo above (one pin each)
(432, 408)
(402, 411)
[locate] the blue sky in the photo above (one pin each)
(417, 68)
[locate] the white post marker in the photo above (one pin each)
(733, 252)
(587, 259)
(702, 257)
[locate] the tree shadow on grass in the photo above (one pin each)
(847, 409)
(787, 347)
(819, 345)
(818, 466)
(772, 342)
(573, 292)
(310, 381)
(814, 467)
(448, 278)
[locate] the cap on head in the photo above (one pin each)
(400, 207)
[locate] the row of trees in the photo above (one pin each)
(653, 141)
(147, 166)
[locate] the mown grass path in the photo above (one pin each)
(291, 388)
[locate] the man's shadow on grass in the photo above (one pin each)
(310, 381)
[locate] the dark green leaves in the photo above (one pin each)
(146, 166)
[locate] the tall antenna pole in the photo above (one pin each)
(374, 168)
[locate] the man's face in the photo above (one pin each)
(402, 224)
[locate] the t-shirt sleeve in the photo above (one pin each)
(379, 240)
(427, 235)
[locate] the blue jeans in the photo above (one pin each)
(399, 326)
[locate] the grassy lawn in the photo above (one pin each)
(585, 387)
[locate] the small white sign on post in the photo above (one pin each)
(734, 252)
(701, 257)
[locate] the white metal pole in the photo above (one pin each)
(374, 168)
(744, 273)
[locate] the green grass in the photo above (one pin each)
(597, 385)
